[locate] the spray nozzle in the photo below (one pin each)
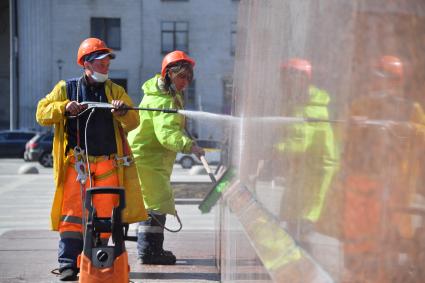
(170, 110)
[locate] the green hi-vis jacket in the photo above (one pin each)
(51, 111)
(155, 144)
(311, 155)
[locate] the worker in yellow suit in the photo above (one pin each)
(98, 135)
(155, 144)
(307, 150)
(380, 169)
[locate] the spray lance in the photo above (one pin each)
(91, 105)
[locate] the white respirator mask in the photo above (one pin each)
(98, 77)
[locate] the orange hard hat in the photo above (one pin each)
(298, 64)
(389, 67)
(174, 57)
(91, 45)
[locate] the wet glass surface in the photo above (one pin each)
(331, 138)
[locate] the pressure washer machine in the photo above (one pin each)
(100, 262)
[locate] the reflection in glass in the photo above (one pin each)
(331, 138)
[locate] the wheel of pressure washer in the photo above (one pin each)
(46, 159)
(186, 162)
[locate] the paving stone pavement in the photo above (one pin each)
(28, 250)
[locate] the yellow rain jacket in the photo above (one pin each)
(155, 144)
(388, 176)
(51, 111)
(311, 159)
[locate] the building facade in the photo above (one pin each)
(49, 32)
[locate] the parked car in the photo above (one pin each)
(39, 148)
(12, 143)
(212, 154)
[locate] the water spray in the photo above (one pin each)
(200, 115)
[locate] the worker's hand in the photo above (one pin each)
(117, 105)
(198, 151)
(73, 108)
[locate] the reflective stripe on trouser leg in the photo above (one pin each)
(70, 227)
(150, 236)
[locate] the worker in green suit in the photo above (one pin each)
(307, 149)
(155, 144)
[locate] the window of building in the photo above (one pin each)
(227, 95)
(174, 36)
(190, 97)
(233, 39)
(107, 29)
(121, 82)
(190, 104)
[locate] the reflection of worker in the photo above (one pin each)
(380, 171)
(155, 144)
(105, 145)
(307, 150)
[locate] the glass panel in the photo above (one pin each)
(98, 29)
(190, 97)
(167, 26)
(181, 41)
(329, 140)
(167, 42)
(121, 82)
(114, 33)
(48, 138)
(28, 136)
(15, 136)
(233, 39)
(182, 26)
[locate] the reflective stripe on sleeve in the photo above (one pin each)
(71, 219)
(150, 229)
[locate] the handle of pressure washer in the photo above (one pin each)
(208, 169)
(202, 158)
(105, 190)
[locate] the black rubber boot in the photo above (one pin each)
(162, 258)
(68, 274)
(150, 242)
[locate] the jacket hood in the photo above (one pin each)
(318, 97)
(151, 86)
